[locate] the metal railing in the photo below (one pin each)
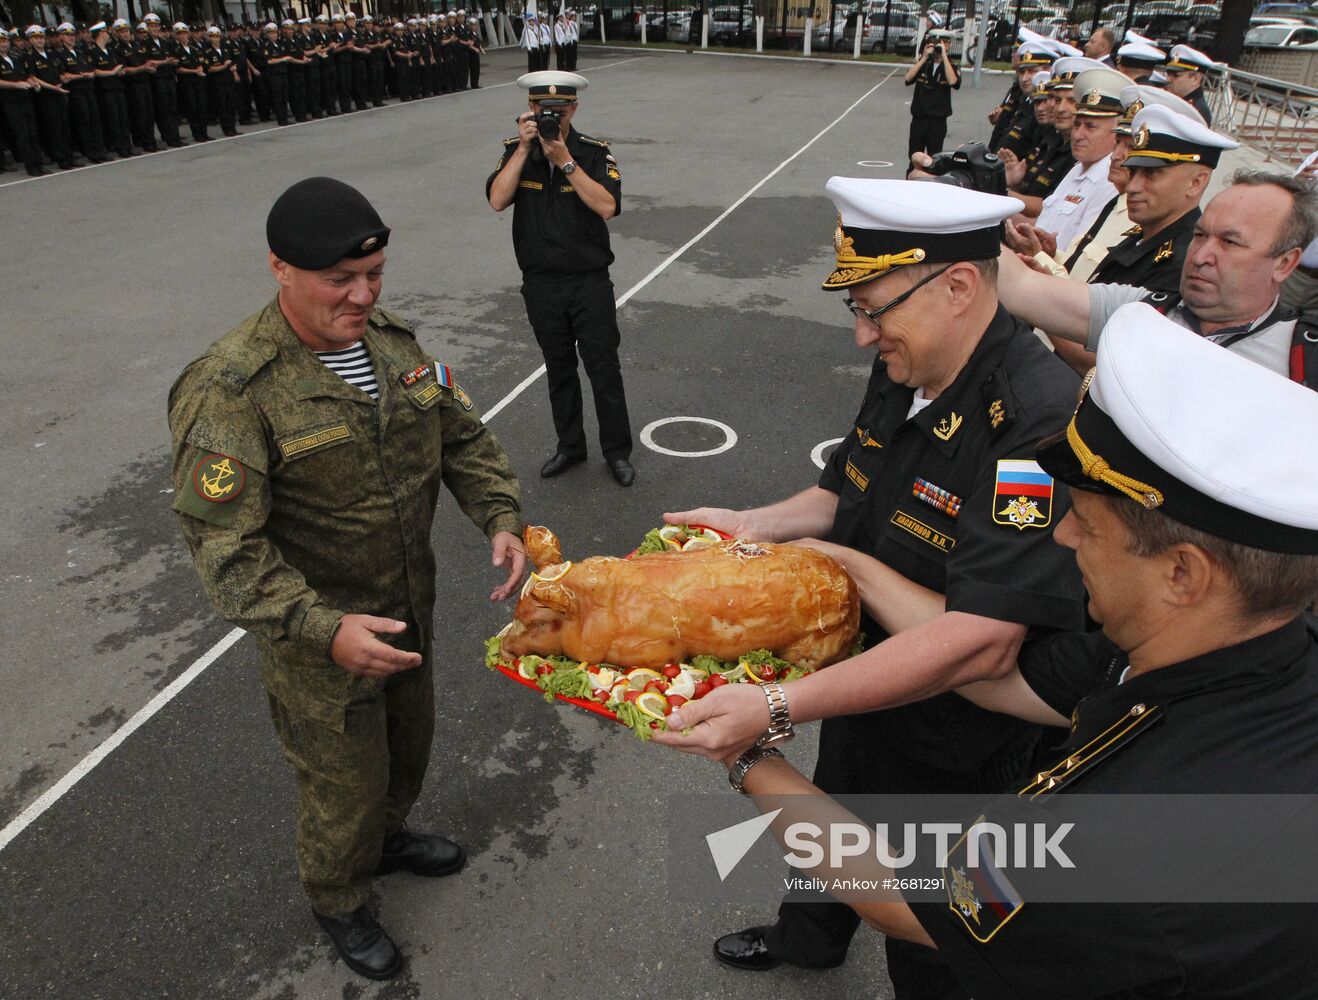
(1276, 116)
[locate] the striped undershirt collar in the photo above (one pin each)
(353, 365)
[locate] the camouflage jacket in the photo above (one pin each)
(302, 499)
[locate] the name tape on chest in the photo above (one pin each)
(861, 481)
(914, 526)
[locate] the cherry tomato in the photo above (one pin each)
(675, 701)
(602, 694)
(543, 669)
(671, 670)
(717, 680)
(517, 663)
(767, 672)
(630, 695)
(658, 686)
(702, 689)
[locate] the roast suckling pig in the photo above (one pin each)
(723, 600)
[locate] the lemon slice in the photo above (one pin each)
(526, 667)
(683, 684)
(752, 673)
(640, 676)
(652, 703)
(671, 535)
(552, 573)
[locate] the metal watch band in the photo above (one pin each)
(780, 720)
(568, 167)
(745, 762)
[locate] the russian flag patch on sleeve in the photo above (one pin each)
(1023, 494)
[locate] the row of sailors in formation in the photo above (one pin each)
(104, 89)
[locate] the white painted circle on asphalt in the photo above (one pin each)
(647, 437)
(874, 163)
(817, 453)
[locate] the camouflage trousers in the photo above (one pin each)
(356, 786)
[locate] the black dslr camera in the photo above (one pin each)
(972, 167)
(549, 124)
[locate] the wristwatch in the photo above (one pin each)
(737, 773)
(568, 167)
(780, 720)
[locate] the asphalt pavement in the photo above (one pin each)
(167, 869)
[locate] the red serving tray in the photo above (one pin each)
(589, 706)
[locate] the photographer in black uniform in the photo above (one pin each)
(934, 78)
(565, 185)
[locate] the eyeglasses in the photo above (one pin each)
(873, 314)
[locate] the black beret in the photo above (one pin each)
(319, 221)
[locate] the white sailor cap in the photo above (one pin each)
(552, 87)
(181, 26)
(66, 28)
(322, 19)
(1035, 54)
(350, 14)
(1097, 92)
(1064, 49)
(152, 18)
(1132, 35)
(34, 29)
(367, 19)
(1024, 34)
(1159, 137)
(411, 20)
(1039, 83)
(119, 22)
(270, 26)
(98, 26)
(141, 26)
(1184, 59)
(1140, 54)
(1067, 69)
(529, 17)
(472, 20)
(212, 30)
(1152, 427)
(336, 17)
(304, 20)
(399, 26)
(287, 23)
(1140, 96)
(886, 224)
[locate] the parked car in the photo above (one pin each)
(898, 36)
(676, 28)
(1290, 36)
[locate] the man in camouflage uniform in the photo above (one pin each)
(306, 494)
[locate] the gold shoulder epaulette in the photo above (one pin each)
(1064, 773)
(513, 141)
(593, 142)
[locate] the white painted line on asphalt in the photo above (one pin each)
(647, 436)
(817, 453)
(84, 766)
(193, 144)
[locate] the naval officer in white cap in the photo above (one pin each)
(1198, 540)
(1185, 68)
(564, 187)
(920, 504)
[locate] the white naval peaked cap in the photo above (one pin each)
(66, 28)
(322, 19)
(1152, 426)
(304, 20)
(1141, 96)
(119, 22)
(1025, 34)
(551, 85)
(1141, 52)
(181, 26)
(1067, 68)
(1183, 59)
(885, 224)
(286, 23)
(33, 30)
(1039, 81)
(98, 26)
(152, 18)
(1097, 92)
(1134, 36)
(1064, 49)
(1159, 137)
(1035, 54)
(212, 30)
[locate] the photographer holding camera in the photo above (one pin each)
(564, 186)
(934, 78)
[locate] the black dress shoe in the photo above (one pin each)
(558, 465)
(37, 172)
(362, 944)
(622, 471)
(421, 854)
(746, 950)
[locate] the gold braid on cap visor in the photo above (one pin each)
(1095, 467)
(883, 262)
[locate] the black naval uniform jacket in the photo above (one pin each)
(1009, 104)
(1012, 392)
(1154, 263)
(933, 93)
(554, 231)
(1200, 103)
(1238, 720)
(1047, 163)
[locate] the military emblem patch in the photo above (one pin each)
(1165, 252)
(1023, 495)
(218, 478)
(460, 394)
(945, 428)
(996, 414)
(981, 895)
